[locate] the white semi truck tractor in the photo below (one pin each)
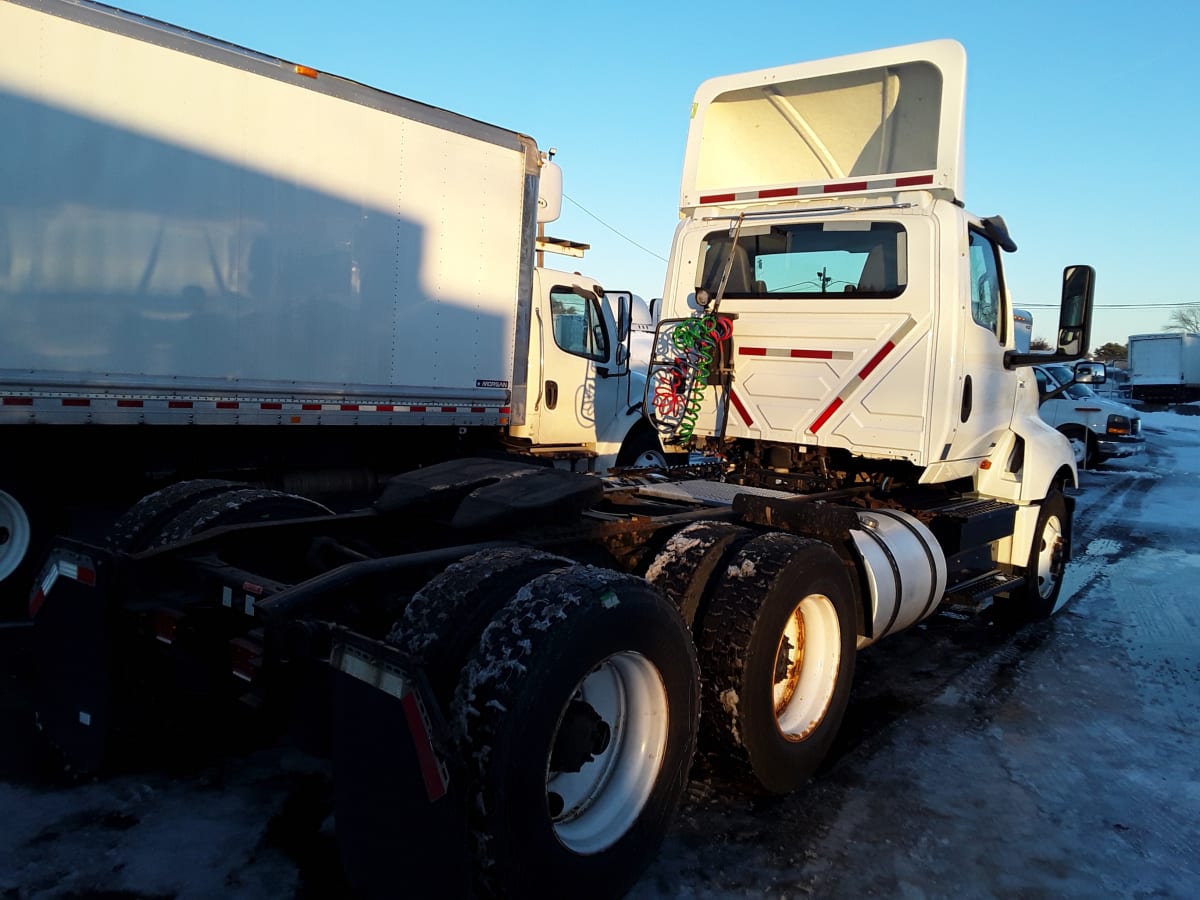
(511, 665)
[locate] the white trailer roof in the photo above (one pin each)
(883, 120)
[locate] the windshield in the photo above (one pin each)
(822, 259)
(1064, 375)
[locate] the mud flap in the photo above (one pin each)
(73, 654)
(400, 813)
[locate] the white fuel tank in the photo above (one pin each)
(905, 570)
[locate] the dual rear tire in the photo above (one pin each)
(775, 628)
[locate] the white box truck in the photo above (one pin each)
(506, 662)
(1164, 367)
(216, 262)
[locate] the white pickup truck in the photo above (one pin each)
(1099, 429)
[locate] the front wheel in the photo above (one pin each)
(642, 450)
(1048, 556)
(578, 717)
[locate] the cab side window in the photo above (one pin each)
(577, 325)
(985, 285)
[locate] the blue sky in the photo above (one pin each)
(1082, 117)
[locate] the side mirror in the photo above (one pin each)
(1074, 322)
(624, 314)
(655, 308)
(1075, 313)
(1090, 373)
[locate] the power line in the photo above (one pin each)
(614, 231)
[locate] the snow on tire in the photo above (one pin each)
(777, 660)
(684, 567)
(139, 526)
(442, 622)
(238, 506)
(578, 716)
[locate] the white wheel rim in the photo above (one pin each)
(601, 802)
(1079, 448)
(1049, 562)
(806, 667)
(650, 459)
(14, 534)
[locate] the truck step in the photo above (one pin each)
(974, 596)
(967, 524)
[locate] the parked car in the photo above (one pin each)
(1098, 429)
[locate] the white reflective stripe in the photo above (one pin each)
(358, 666)
(48, 581)
(85, 718)
(69, 569)
(242, 675)
(248, 608)
(227, 596)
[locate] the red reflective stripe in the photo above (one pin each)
(416, 409)
(384, 407)
(478, 409)
(270, 406)
(742, 411)
(914, 179)
(179, 404)
(718, 198)
(311, 407)
(435, 788)
(752, 351)
(130, 404)
(824, 417)
(76, 401)
(349, 407)
(505, 410)
(812, 354)
(778, 192)
(877, 359)
(846, 186)
(18, 401)
(449, 409)
(227, 404)
(86, 576)
(35, 602)
(251, 588)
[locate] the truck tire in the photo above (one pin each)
(642, 450)
(442, 622)
(140, 526)
(236, 506)
(684, 567)
(1048, 558)
(578, 715)
(777, 660)
(26, 527)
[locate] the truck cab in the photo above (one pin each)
(585, 386)
(833, 314)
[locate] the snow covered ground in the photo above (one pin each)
(1058, 760)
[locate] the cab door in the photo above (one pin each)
(987, 388)
(574, 341)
